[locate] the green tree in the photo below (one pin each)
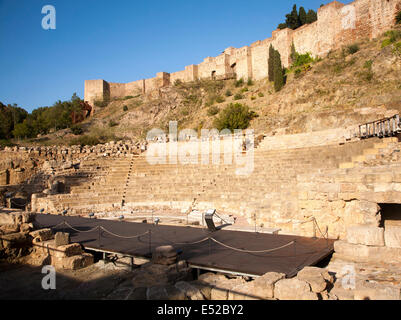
(293, 54)
(292, 19)
(271, 63)
(282, 26)
(23, 130)
(234, 116)
(10, 115)
(302, 16)
(278, 72)
(311, 16)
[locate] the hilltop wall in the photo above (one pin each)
(337, 25)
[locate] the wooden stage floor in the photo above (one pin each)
(220, 250)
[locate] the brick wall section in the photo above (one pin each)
(337, 25)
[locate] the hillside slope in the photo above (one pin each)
(342, 89)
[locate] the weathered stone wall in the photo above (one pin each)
(96, 90)
(337, 25)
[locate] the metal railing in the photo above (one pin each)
(386, 127)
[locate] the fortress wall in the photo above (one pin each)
(151, 84)
(260, 56)
(337, 25)
(117, 90)
(382, 15)
(96, 90)
(305, 39)
(135, 87)
(191, 72)
(179, 75)
(282, 40)
(206, 67)
(243, 60)
(328, 24)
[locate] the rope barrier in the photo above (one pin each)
(187, 243)
(86, 231)
(124, 237)
(251, 251)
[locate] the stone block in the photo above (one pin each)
(365, 235)
(191, 292)
(361, 253)
(223, 287)
(165, 255)
(392, 236)
(293, 289)
(68, 250)
(62, 239)
(74, 262)
(42, 235)
(316, 277)
(264, 286)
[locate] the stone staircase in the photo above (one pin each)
(381, 150)
(266, 197)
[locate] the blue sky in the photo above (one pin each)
(120, 41)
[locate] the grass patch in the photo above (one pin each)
(239, 83)
(77, 129)
(238, 96)
(352, 48)
(213, 110)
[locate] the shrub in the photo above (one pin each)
(253, 98)
(368, 64)
(238, 96)
(213, 111)
(302, 59)
(101, 103)
(220, 99)
(393, 36)
(249, 82)
(386, 42)
(234, 116)
(128, 97)
(239, 83)
(177, 83)
(125, 108)
(352, 48)
(260, 94)
(228, 93)
(112, 123)
(398, 17)
(77, 130)
(244, 89)
(85, 141)
(397, 48)
(6, 143)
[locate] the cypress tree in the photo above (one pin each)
(278, 72)
(293, 55)
(302, 16)
(271, 63)
(311, 16)
(292, 19)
